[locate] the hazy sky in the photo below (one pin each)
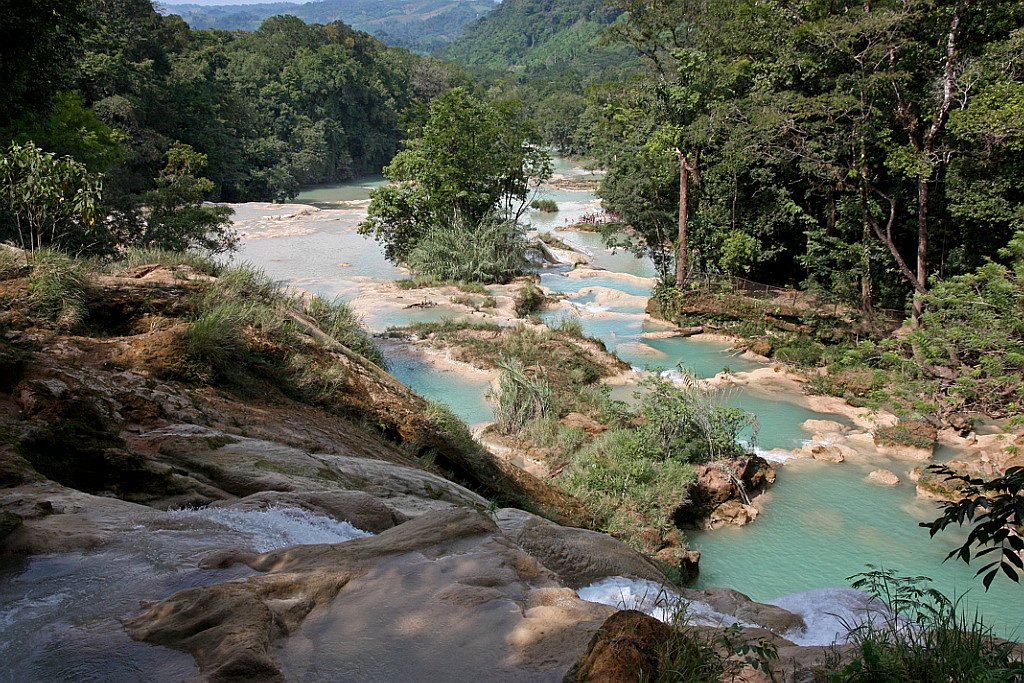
(171, 3)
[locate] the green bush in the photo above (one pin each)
(631, 491)
(520, 396)
(689, 421)
(528, 299)
(492, 251)
(544, 205)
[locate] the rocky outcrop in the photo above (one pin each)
(822, 449)
(395, 607)
(578, 556)
(722, 493)
(884, 477)
(912, 439)
(631, 646)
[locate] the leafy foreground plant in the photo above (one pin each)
(995, 508)
(924, 637)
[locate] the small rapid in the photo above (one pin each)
(828, 613)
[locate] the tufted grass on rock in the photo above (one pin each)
(491, 251)
(339, 322)
(521, 396)
(141, 256)
(528, 299)
(57, 289)
(636, 494)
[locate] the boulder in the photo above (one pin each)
(743, 609)
(716, 484)
(731, 513)
(627, 647)
(884, 477)
(685, 561)
(912, 439)
(823, 426)
(580, 421)
(578, 556)
(826, 452)
(358, 508)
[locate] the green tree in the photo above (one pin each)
(175, 217)
(48, 201)
(470, 158)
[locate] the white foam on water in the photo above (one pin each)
(829, 613)
(772, 455)
(653, 599)
(590, 308)
(276, 527)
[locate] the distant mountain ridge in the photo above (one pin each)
(539, 36)
(420, 25)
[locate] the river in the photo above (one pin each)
(820, 523)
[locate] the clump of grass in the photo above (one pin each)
(418, 282)
(553, 241)
(549, 433)
(246, 282)
(216, 338)
(689, 421)
(636, 495)
(471, 288)
(140, 256)
(446, 326)
(13, 262)
(922, 636)
(488, 302)
(521, 396)
(528, 299)
(570, 325)
(57, 289)
(492, 251)
(337, 320)
(544, 205)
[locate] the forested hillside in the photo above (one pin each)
(421, 25)
(170, 116)
(530, 36)
(865, 153)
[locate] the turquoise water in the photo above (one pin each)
(560, 282)
(353, 190)
(822, 522)
(328, 262)
(466, 397)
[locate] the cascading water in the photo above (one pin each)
(821, 522)
(59, 614)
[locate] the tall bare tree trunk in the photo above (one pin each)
(922, 249)
(683, 256)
